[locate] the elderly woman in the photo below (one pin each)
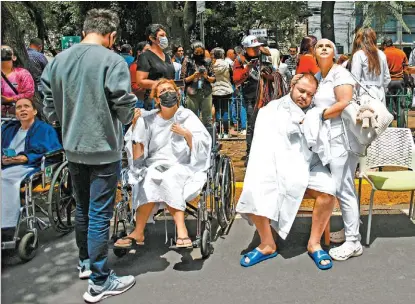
(23, 142)
(222, 89)
(169, 151)
(334, 93)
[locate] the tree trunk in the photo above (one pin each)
(327, 20)
(12, 35)
(36, 14)
(189, 22)
(165, 14)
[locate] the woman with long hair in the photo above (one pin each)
(369, 64)
(334, 93)
(307, 62)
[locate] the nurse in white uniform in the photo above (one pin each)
(169, 153)
(334, 93)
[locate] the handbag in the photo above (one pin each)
(8, 110)
(363, 137)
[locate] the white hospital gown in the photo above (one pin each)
(168, 172)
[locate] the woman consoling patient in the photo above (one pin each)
(169, 154)
(282, 168)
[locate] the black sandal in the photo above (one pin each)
(130, 245)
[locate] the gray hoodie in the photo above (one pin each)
(87, 89)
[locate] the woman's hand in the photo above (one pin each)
(137, 115)
(176, 128)
(205, 75)
(20, 159)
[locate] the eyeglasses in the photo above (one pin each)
(293, 51)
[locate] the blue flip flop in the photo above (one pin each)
(321, 255)
(255, 256)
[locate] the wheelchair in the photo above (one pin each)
(216, 202)
(48, 202)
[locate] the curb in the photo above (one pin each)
(356, 181)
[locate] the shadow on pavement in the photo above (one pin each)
(383, 226)
(53, 269)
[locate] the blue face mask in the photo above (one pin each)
(164, 42)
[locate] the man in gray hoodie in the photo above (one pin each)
(87, 89)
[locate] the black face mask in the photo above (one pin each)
(199, 58)
(169, 99)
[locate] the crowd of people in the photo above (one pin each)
(106, 102)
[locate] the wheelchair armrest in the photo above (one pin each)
(54, 153)
(50, 156)
(32, 177)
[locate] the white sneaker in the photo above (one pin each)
(225, 136)
(84, 268)
(243, 132)
(346, 251)
(338, 237)
(113, 286)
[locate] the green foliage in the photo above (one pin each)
(378, 13)
(281, 15)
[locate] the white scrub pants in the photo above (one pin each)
(343, 168)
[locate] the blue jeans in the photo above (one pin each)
(238, 104)
(95, 188)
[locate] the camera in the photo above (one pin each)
(6, 54)
(202, 69)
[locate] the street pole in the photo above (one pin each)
(202, 28)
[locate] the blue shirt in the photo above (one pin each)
(128, 58)
(37, 64)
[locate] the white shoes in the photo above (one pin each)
(346, 251)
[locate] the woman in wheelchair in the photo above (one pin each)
(23, 142)
(169, 154)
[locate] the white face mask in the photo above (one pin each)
(164, 42)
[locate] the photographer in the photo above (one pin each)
(198, 76)
(247, 73)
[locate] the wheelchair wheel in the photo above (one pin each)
(225, 192)
(28, 246)
(117, 251)
(205, 241)
(61, 202)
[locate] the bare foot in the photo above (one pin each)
(139, 239)
(315, 247)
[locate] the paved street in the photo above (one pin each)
(384, 274)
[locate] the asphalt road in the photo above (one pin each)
(385, 273)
